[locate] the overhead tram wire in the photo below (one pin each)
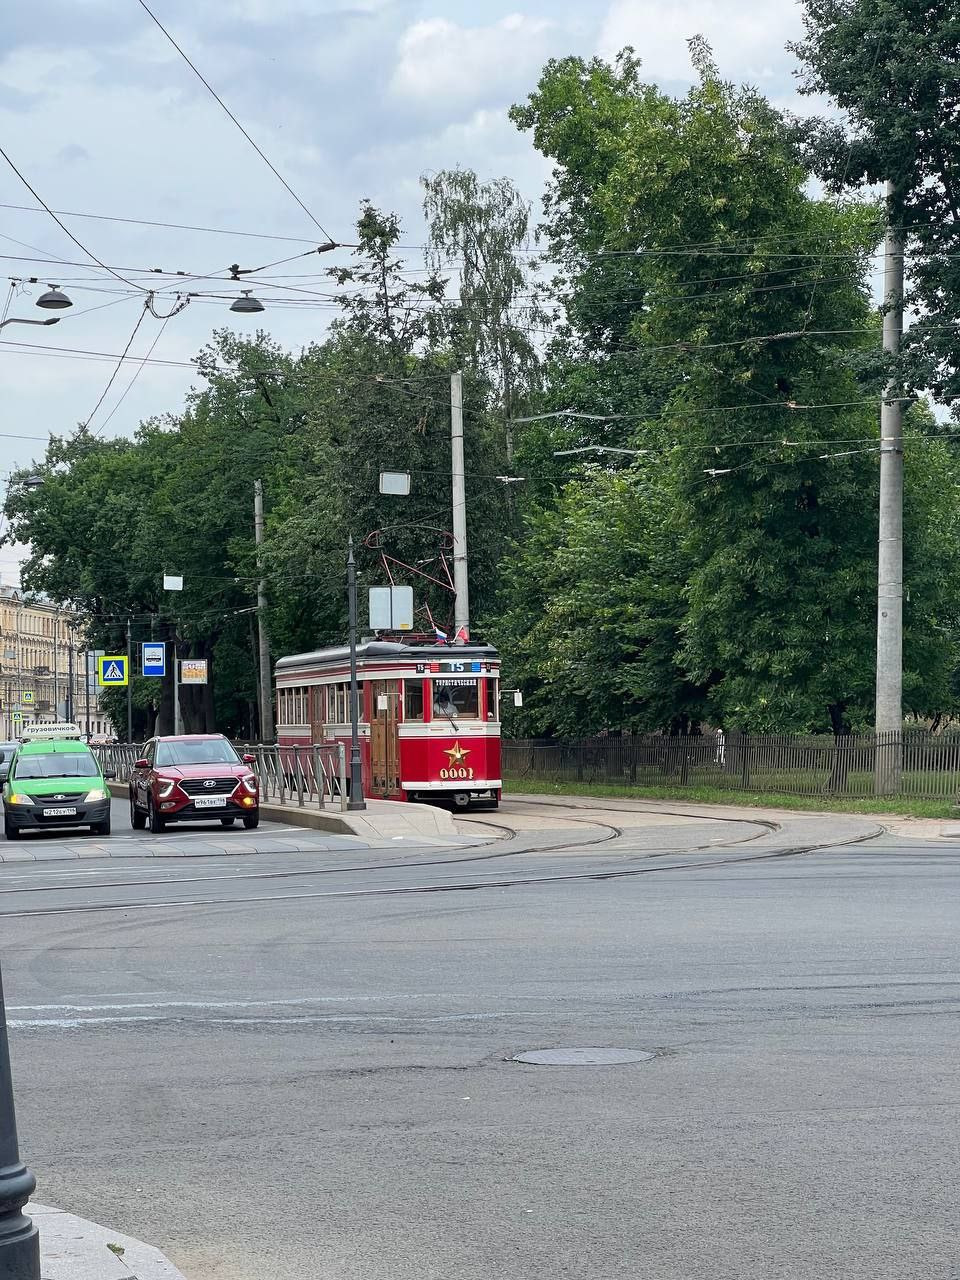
(62, 225)
(136, 373)
(209, 87)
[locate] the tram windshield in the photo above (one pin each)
(458, 699)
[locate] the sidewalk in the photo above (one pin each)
(382, 819)
(74, 1249)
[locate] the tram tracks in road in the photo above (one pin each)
(463, 886)
(610, 831)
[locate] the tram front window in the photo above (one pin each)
(457, 701)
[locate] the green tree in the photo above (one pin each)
(481, 230)
(592, 609)
(891, 66)
(745, 313)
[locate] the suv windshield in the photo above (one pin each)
(58, 764)
(209, 751)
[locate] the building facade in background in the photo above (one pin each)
(36, 642)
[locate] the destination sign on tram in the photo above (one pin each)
(450, 667)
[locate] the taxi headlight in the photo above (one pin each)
(98, 793)
(17, 797)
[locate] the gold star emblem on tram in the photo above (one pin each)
(457, 755)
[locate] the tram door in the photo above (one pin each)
(384, 743)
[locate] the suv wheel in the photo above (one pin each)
(251, 821)
(154, 820)
(138, 820)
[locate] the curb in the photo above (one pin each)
(398, 819)
(72, 1248)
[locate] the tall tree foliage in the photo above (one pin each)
(891, 65)
(480, 230)
(743, 311)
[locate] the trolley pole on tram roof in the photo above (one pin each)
(356, 800)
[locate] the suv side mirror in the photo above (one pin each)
(247, 759)
(141, 764)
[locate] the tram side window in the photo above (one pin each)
(413, 700)
(338, 703)
(456, 700)
(292, 706)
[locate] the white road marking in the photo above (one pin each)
(71, 1024)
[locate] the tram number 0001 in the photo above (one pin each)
(462, 774)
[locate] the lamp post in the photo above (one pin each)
(356, 800)
(19, 1238)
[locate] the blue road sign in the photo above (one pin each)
(154, 658)
(112, 669)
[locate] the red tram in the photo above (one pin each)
(429, 716)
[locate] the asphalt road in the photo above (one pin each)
(298, 1063)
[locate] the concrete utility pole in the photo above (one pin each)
(356, 800)
(889, 706)
(461, 609)
(267, 733)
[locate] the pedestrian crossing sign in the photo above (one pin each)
(112, 669)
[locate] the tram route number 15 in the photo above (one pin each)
(462, 774)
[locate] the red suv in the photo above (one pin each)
(191, 778)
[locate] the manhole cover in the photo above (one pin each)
(583, 1057)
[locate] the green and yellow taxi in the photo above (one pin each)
(55, 780)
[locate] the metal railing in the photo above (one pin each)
(808, 765)
(307, 775)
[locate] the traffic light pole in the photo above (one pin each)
(19, 1238)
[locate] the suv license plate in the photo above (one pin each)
(59, 813)
(210, 802)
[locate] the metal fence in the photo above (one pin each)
(923, 765)
(309, 775)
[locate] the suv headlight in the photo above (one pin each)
(98, 793)
(250, 782)
(17, 797)
(165, 790)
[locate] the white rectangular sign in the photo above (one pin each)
(193, 671)
(391, 608)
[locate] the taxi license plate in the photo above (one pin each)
(59, 813)
(210, 802)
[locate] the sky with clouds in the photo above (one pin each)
(348, 98)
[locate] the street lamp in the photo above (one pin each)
(246, 304)
(53, 300)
